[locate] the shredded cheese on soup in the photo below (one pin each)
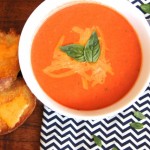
(91, 73)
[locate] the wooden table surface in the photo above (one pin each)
(13, 14)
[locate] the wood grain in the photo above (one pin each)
(13, 14)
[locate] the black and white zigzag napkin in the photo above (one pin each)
(62, 133)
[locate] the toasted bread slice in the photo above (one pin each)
(9, 64)
(16, 105)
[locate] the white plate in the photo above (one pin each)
(42, 12)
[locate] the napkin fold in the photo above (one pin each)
(61, 133)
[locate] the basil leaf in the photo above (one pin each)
(92, 48)
(145, 8)
(114, 148)
(139, 115)
(97, 141)
(75, 51)
(136, 125)
(89, 53)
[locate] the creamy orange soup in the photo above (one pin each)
(84, 85)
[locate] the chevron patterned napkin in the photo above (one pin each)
(62, 133)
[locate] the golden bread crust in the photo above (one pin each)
(16, 105)
(9, 64)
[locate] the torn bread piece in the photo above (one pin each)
(16, 105)
(9, 64)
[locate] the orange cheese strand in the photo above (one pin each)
(11, 111)
(98, 71)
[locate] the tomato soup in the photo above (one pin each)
(86, 85)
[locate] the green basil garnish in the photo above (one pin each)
(136, 125)
(114, 148)
(92, 48)
(88, 53)
(145, 8)
(75, 51)
(139, 115)
(97, 141)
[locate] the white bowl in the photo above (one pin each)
(42, 12)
